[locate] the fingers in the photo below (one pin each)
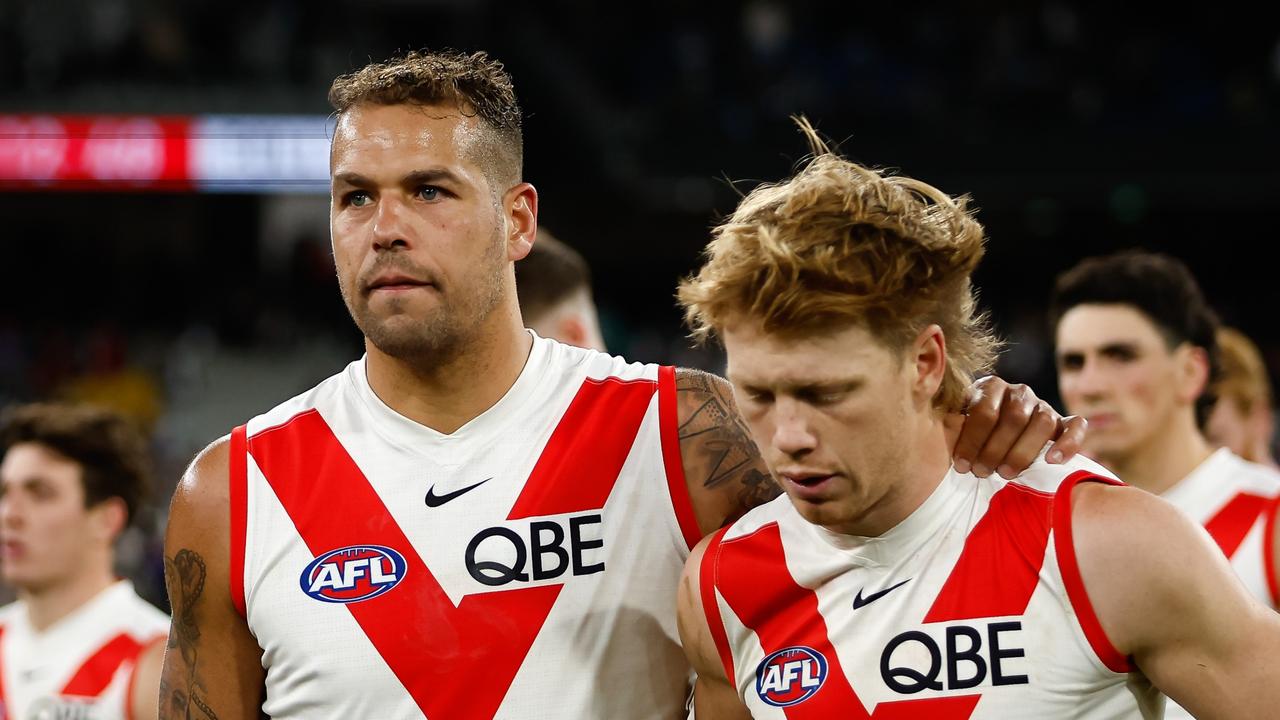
(1011, 423)
(1041, 427)
(986, 397)
(1005, 428)
(1070, 441)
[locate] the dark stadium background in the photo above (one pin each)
(1078, 130)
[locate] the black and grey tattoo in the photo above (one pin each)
(184, 577)
(713, 436)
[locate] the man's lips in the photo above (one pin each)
(12, 549)
(1102, 419)
(395, 283)
(806, 484)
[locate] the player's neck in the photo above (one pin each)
(928, 459)
(446, 395)
(1170, 455)
(48, 605)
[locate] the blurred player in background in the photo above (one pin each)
(554, 286)
(887, 583)
(79, 642)
(1242, 419)
(553, 283)
(1137, 357)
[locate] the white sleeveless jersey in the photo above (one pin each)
(524, 566)
(1235, 501)
(81, 667)
(972, 607)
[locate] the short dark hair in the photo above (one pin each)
(1159, 286)
(109, 449)
(476, 83)
(548, 275)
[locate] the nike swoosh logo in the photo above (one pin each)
(859, 601)
(434, 500)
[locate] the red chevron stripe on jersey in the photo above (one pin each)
(591, 443)
(1232, 523)
(464, 672)
(752, 576)
(95, 674)
(999, 568)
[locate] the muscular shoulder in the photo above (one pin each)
(204, 486)
(723, 468)
(197, 539)
(1143, 562)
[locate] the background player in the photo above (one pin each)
(78, 642)
(1136, 352)
(553, 283)
(1242, 419)
(1137, 356)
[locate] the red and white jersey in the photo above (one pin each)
(971, 607)
(1235, 501)
(1232, 498)
(82, 666)
(524, 566)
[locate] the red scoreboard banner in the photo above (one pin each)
(213, 153)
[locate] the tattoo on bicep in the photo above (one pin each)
(184, 576)
(715, 436)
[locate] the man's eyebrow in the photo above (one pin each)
(416, 177)
(352, 178)
(432, 175)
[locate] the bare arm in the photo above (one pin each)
(724, 471)
(1165, 594)
(146, 682)
(713, 696)
(213, 667)
(1005, 429)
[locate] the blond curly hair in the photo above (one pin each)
(840, 244)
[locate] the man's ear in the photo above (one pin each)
(1192, 371)
(108, 519)
(928, 353)
(521, 206)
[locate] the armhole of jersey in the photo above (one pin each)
(1077, 594)
(133, 678)
(711, 608)
(239, 514)
(668, 429)
(1269, 552)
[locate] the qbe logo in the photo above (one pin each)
(791, 675)
(353, 574)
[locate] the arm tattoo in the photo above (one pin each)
(184, 575)
(714, 437)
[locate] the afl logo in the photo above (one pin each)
(353, 574)
(790, 676)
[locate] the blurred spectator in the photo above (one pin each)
(72, 478)
(1242, 418)
(554, 285)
